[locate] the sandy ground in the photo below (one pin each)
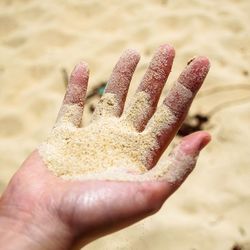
(40, 38)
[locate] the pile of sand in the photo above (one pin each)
(40, 38)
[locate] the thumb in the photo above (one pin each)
(181, 160)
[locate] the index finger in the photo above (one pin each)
(169, 117)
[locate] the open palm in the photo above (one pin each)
(85, 182)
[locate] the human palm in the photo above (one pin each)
(93, 180)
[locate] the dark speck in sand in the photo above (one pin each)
(245, 72)
(236, 246)
(190, 60)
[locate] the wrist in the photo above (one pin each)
(23, 230)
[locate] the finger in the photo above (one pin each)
(112, 102)
(146, 98)
(181, 161)
(169, 117)
(72, 107)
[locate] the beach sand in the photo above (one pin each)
(39, 40)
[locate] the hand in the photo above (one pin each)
(86, 182)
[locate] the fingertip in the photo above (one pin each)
(202, 64)
(81, 67)
(203, 60)
(132, 54)
(80, 74)
(205, 139)
(194, 143)
(195, 73)
(77, 86)
(169, 48)
(167, 51)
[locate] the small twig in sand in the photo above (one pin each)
(65, 77)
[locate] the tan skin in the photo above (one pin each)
(41, 211)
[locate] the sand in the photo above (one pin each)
(110, 147)
(39, 39)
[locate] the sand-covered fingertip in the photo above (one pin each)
(77, 86)
(195, 73)
(119, 81)
(73, 102)
(157, 72)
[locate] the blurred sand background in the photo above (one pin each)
(40, 38)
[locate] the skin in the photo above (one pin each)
(42, 211)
